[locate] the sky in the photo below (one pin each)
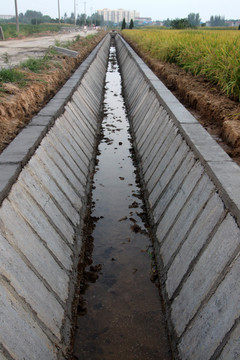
(156, 9)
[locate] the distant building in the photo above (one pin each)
(227, 23)
(232, 22)
(143, 20)
(117, 16)
(6, 17)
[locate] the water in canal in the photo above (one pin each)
(120, 316)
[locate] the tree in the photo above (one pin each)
(81, 19)
(124, 24)
(194, 19)
(131, 26)
(97, 19)
(217, 20)
(180, 24)
(167, 22)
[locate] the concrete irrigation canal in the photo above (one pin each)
(100, 259)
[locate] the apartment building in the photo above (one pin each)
(117, 16)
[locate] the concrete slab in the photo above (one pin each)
(79, 171)
(148, 122)
(83, 100)
(31, 289)
(91, 125)
(29, 210)
(186, 218)
(77, 154)
(161, 123)
(172, 177)
(23, 146)
(158, 167)
(203, 144)
(65, 51)
(84, 113)
(20, 334)
(59, 178)
(206, 273)
(77, 126)
(52, 152)
(226, 177)
(47, 205)
(77, 151)
(54, 108)
(173, 208)
(78, 136)
(201, 231)
(215, 320)
(9, 174)
(49, 185)
(231, 350)
(39, 120)
(20, 235)
(162, 146)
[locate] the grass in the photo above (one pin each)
(12, 76)
(36, 65)
(67, 44)
(213, 54)
(20, 75)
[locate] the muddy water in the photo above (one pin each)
(122, 318)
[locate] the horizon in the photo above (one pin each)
(172, 9)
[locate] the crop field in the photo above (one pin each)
(214, 54)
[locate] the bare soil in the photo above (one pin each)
(18, 105)
(219, 114)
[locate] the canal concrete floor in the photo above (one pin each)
(122, 317)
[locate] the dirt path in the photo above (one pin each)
(12, 52)
(18, 105)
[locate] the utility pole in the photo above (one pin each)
(16, 11)
(59, 20)
(75, 16)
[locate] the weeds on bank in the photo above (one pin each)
(12, 76)
(83, 40)
(20, 75)
(36, 65)
(5, 57)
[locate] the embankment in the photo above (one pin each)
(192, 192)
(43, 191)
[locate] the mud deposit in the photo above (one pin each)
(120, 312)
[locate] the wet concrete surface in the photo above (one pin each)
(120, 312)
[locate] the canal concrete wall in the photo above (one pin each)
(44, 180)
(192, 190)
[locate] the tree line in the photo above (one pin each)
(193, 20)
(36, 18)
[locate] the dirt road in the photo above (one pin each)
(12, 52)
